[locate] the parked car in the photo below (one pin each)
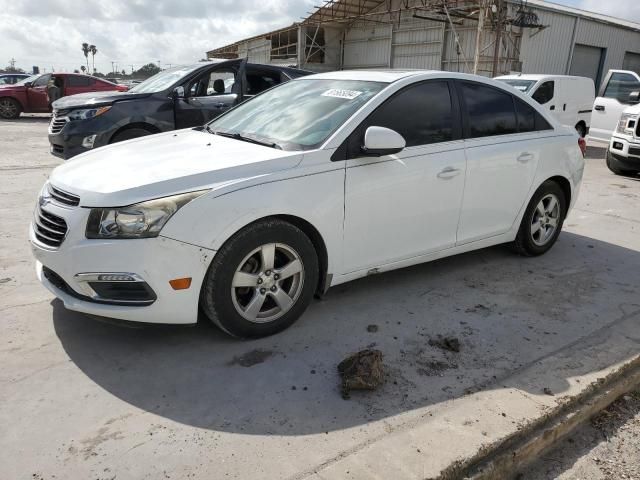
(30, 95)
(614, 96)
(178, 97)
(320, 181)
(11, 78)
(623, 155)
(570, 99)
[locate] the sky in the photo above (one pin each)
(49, 33)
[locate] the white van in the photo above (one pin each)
(569, 99)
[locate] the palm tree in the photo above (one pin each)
(83, 68)
(93, 50)
(85, 50)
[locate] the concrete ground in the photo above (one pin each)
(81, 398)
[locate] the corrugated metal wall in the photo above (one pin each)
(367, 45)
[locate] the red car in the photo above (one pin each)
(31, 94)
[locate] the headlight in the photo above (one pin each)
(627, 123)
(142, 220)
(87, 113)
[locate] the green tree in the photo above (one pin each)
(146, 71)
(93, 50)
(85, 50)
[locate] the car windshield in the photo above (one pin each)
(298, 115)
(523, 85)
(164, 79)
(32, 79)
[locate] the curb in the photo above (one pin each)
(505, 459)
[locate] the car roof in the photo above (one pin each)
(386, 76)
(536, 77)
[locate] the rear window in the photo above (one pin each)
(79, 81)
(529, 120)
(490, 111)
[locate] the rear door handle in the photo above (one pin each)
(449, 172)
(553, 107)
(525, 157)
(600, 108)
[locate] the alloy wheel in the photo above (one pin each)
(8, 109)
(545, 219)
(267, 283)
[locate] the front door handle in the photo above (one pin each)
(553, 107)
(525, 157)
(600, 108)
(449, 172)
(221, 105)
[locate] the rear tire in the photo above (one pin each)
(261, 280)
(9, 108)
(542, 221)
(130, 133)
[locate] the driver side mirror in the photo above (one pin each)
(28, 84)
(380, 141)
(178, 92)
(634, 97)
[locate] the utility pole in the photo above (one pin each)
(476, 56)
(496, 50)
(159, 65)
(12, 62)
(113, 68)
(131, 69)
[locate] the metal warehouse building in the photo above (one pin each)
(488, 37)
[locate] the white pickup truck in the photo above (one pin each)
(613, 98)
(623, 156)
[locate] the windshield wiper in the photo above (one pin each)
(238, 136)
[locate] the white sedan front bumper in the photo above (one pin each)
(156, 261)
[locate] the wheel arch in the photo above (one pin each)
(144, 125)
(564, 184)
(319, 244)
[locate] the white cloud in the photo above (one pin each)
(50, 33)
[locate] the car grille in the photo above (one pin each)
(57, 122)
(49, 229)
(63, 197)
(634, 151)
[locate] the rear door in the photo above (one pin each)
(612, 99)
(502, 149)
(210, 94)
(37, 94)
(74, 84)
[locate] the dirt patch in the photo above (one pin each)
(361, 371)
(249, 359)
(451, 344)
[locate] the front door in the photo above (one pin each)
(37, 94)
(408, 204)
(210, 94)
(612, 100)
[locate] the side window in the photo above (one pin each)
(218, 82)
(620, 86)
(544, 93)
(490, 110)
(422, 114)
(42, 81)
(528, 119)
(78, 81)
(260, 82)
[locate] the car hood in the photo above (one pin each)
(94, 99)
(5, 89)
(633, 109)
(166, 164)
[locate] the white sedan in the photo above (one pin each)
(317, 182)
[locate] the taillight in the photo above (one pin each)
(582, 143)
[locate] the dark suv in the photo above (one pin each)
(179, 97)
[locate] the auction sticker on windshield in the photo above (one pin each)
(339, 93)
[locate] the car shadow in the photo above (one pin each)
(508, 312)
(29, 119)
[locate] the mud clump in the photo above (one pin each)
(452, 344)
(361, 371)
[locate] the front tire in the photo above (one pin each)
(542, 221)
(9, 108)
(261, 280)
